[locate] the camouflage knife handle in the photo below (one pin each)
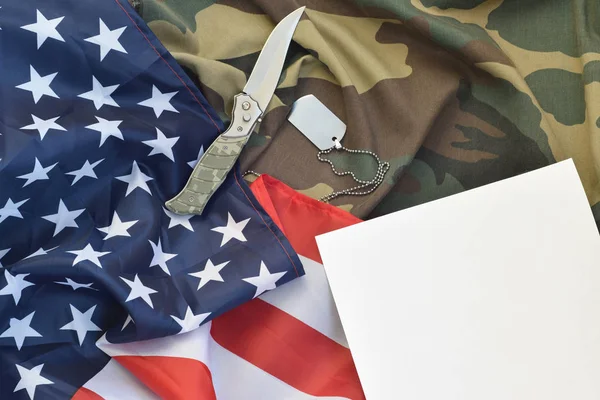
(216, 162)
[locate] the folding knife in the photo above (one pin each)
(248, 108)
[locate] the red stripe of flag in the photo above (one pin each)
(300, 217)
(173, 378)
(288, 349)
(86, 394)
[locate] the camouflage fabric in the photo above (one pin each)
(454, 94)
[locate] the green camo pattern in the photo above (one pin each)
(454, 94)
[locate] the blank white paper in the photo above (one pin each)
(491, 294)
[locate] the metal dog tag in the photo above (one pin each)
(317, 122)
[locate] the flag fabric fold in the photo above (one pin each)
(287, 344)
(99, 127)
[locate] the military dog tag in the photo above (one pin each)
(317, 122)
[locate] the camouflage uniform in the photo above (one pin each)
(454, 94)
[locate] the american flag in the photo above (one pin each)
(99, 127)
(288, 344)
